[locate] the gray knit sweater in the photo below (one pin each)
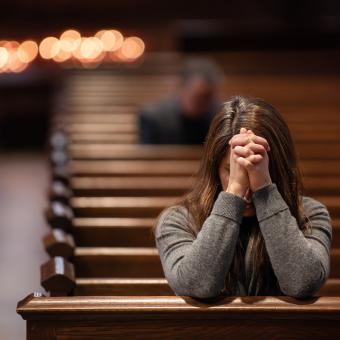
(197, 266)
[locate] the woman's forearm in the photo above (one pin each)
(300, 263)
(198, 266)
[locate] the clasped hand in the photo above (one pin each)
(248, 163)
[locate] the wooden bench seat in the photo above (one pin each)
(120, 206)
(101, 128)
(134, 168)
(309, 151)
(144, 168)
(123, 286)
(133, 232)
(110, 138)
(133, 186)
(320, 185)
(59, 277)
(114, 232)
(325, 167)
(174, 186)
(117, 262)
(134, 152)
(137, 262)
(151, 206)
(151, 286)
(132, 137)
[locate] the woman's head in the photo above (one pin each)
(265, 121)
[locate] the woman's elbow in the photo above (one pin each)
(306, 285)
(198, 292)
(201, 289)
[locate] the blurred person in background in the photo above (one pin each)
(185, 117)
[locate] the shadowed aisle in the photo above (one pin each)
(23, 181)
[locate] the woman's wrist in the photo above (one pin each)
(262, 185)
(236, 190)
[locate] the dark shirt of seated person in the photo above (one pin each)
(246, 227)
(185, 117)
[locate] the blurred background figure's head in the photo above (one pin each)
(184, 118)
(200, 85)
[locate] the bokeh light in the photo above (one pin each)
(3, 57)
(107, 45)
(91, 48)
(132, 48)
(70, 40)
(62, 56)
(49, 48)
(112, 40)
(28, 51)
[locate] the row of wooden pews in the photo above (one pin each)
(104, 275)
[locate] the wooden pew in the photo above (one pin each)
(114, 232)
(130, 186)
(120, 206)
(132, 168)
(137, 262)
(165, 186)
(108, 317)
(150, 286)
(119, 186)
(58, 276)
(310, 151)
(132, 232)
(134, 152)
(150, 206)
(144, 168)
(118, 138)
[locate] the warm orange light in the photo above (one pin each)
(90, 52)
(119, 40)
(49, 48)
(3, 57)
(14, 64)
(76, 53)
(112, 40)
(70, 40)
(91, 48)
(62, 56)
(132, 48)
(11, 44)
(27, 51)
(70, 35)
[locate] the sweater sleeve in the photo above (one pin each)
(197, 266)
(301, 262)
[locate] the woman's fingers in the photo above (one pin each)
(243, 139)
(249, 162)
(244, 162)
(249, 149)
(255, 158)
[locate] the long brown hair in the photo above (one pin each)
(264, 120)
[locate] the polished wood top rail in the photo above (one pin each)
(254, 307)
